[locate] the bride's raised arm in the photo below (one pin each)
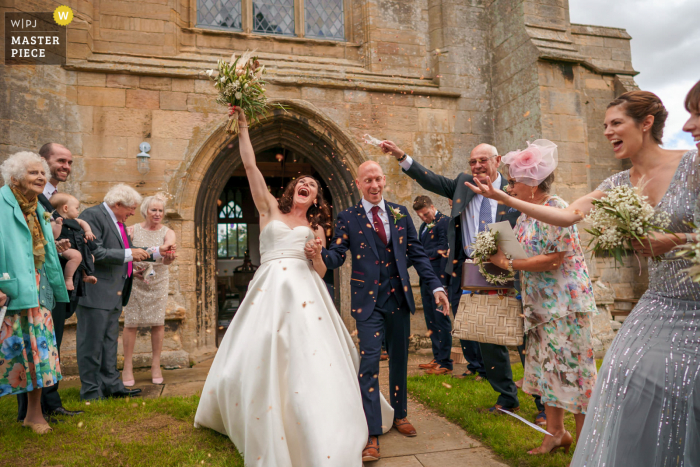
(574, 213)
(264, 201)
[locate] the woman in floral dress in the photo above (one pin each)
(32, 280)
(557, 299)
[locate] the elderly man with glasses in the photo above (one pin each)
(471, 213)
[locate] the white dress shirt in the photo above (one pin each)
(470, 215)
(128, 256)
(49, 190)
(385, 220)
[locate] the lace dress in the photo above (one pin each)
(645, 410)
(149, 296)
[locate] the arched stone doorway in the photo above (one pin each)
(302, 129)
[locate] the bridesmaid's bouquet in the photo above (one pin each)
(485, 245)
(240, 82)
(622, 216)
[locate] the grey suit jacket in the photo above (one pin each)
(113, 287)
(461, 195)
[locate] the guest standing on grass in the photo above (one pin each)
(432, 234)
(32, 280)
(149, 295)
(557, 298)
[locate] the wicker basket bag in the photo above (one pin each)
(491, 319)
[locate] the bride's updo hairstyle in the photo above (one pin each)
(319, 214)
(638, 105)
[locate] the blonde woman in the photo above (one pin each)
(149, 295)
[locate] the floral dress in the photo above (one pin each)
(28, 351)
(559, 362)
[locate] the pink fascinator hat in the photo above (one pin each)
(533, 164)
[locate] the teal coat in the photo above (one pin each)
(16, 256)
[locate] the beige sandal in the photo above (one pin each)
(38, 428)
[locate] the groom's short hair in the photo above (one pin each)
(421, 202)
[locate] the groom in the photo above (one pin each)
(381, 238)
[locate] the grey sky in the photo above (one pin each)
(665, 49)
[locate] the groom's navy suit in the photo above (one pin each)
(381, 297)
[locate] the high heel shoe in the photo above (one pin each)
(564, 443)
(38, 428)
(157, 380)
(128, 383)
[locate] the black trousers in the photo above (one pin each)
(50, 399)
(470, 349)
(392, 322)
(440, 327)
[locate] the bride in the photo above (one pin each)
(283, 385)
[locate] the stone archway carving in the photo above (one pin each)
(302, 128)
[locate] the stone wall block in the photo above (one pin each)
(436, 120)
(558, 101)
(182, 85)
(173, 100)
(155, 83)
(203, 103)
(91, 79)
(171, 124)
(142, 99)
(202, 86)
(122, 122)
(100, 96)
(122, 81)
(105, 146)
(314, 95)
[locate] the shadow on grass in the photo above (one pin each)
(509, 438)
(116, 432)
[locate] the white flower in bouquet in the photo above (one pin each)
(485, 245)
(240, 83)
(622, 216)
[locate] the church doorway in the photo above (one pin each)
(227, 224)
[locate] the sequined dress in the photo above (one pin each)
(645, 410)
(149, 296)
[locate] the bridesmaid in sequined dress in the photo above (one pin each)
(645, 409)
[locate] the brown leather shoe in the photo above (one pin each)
(384, 356)
(496, 409)
(371, 452)
(428, 366)
(404, 427)
(438, 371)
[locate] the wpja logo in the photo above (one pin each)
(37, 38)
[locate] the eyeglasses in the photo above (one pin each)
(511, 183)
(473, 162)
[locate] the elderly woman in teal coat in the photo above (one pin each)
(31, 281)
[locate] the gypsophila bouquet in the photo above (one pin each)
(240, 82)
(622, 216)
(690, 252)
(485, 245)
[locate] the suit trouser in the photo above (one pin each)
(392, 321)
(50, 399)
(470, 349)
(440, 327)
(500, 374)
(96, 344)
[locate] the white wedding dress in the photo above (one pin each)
(283, 385)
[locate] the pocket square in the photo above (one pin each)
(512, 210)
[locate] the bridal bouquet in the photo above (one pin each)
(241, 83)
(622, 216)
(485, 245)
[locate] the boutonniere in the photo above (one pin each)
(396, 213)
(430, 226)
(47, 216)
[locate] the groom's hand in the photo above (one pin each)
(441, 299)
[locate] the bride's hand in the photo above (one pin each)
(487, 189)
(657, 243)
(236, 110)
(313, 248)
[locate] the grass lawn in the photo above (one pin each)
(116, 432)
(509, 438)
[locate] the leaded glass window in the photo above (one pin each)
(219, 13)
(232, 230)
(273, 16)
(325, 19)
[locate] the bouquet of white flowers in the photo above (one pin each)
(241, 83)
(485, 245)
(691, 252)
(622, 216)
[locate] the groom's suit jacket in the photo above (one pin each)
(461, 195)
(355, 233)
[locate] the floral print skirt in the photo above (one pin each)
(559, 362)
(28, 352)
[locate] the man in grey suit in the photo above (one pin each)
(470, 214)
(99, 310)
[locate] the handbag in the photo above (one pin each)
(491, 319)
(473, 281)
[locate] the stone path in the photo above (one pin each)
(440, 443)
